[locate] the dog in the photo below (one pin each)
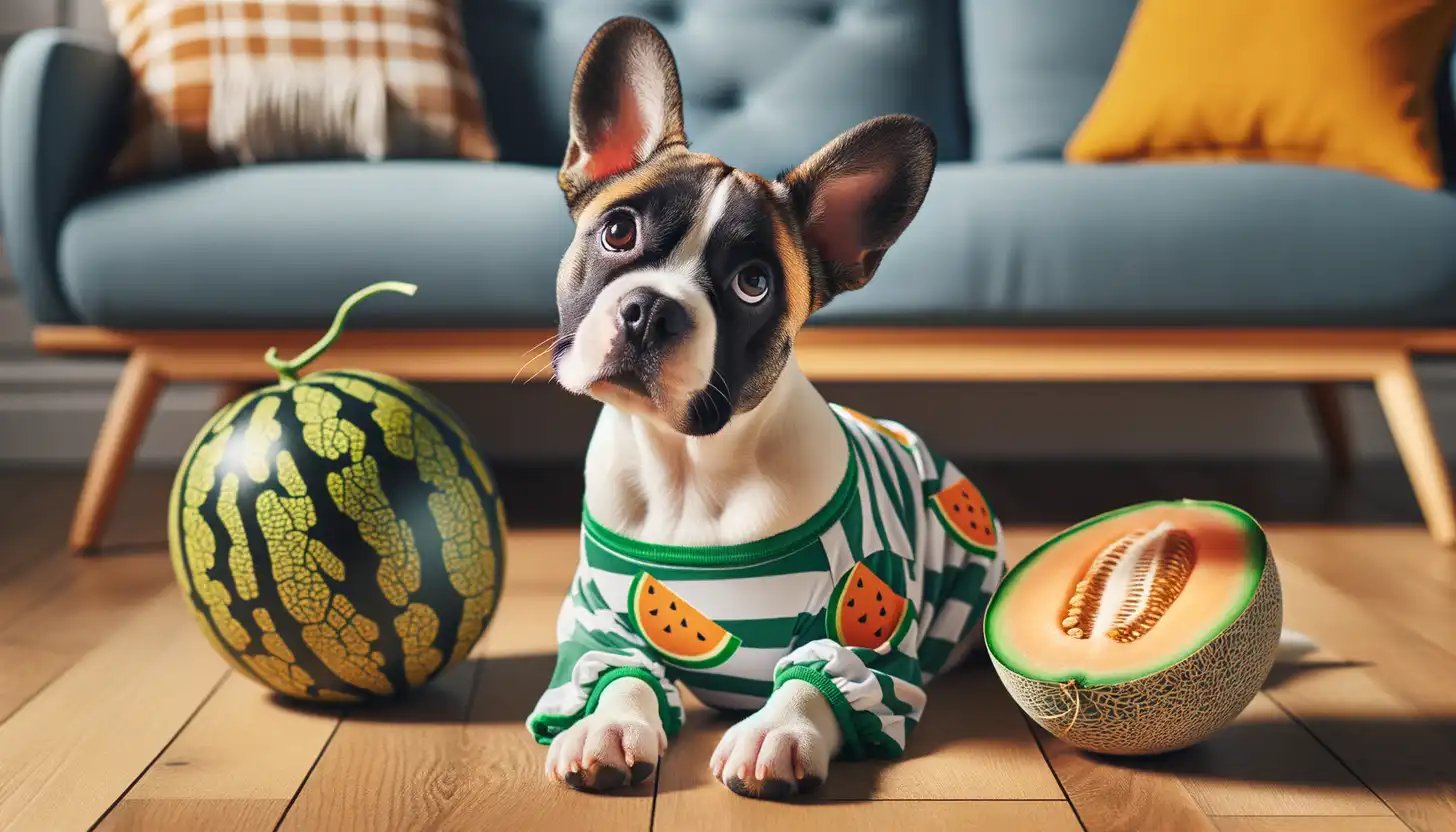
(733, 518)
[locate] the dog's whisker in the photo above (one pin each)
(538, 344)
(544, 367)
(723, 391)
(542, 351)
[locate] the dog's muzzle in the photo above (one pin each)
(649, 324)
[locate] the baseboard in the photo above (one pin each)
(51, 409)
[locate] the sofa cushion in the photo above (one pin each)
(1026, 244)
(1164, 244)
(765, 82)
(282, 245)
(1035, 67)
(1350, 86)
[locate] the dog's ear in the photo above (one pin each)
(626, 105)
(857, 194)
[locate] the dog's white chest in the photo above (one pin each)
(766, 473)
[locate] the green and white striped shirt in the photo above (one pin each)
(775, 598)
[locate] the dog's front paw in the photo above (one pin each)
(771, 757)
(601, 753)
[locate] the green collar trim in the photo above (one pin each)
(741, 555)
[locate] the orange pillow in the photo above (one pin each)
(1342, 83)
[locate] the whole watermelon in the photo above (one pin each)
(337, 535)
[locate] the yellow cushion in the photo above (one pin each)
(1342, 83)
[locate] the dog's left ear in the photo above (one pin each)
(858, 194)
(626, 104)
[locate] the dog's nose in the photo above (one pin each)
(650, 319)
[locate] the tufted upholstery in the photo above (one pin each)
(1001, 240)
(1035, 68)
(765, 82)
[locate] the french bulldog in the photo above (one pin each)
(733, 517)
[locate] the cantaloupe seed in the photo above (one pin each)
(1130, 584)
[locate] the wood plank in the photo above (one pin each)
(236, 765)
(1262, 764)
(972, 745)
(512, 788)
(1297, 824)
(1405, 549)
(462, 753)
(688, 793)
(393, 765)
(1366, 694)
(30, 587)
(32, 516)
(708, 811)
(1405, 663)
(1411, 585)
(213, 815)
(1382, 739)
(1266, 764)
(61, 610)
(27, 671)
(75, 748)
(1111, 797)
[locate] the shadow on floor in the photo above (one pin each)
(1392, 753)
(1284, 672)
(475, 691)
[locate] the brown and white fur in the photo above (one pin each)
(680, 298)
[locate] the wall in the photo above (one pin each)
(50, 409)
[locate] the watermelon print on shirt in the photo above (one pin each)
(753, 616)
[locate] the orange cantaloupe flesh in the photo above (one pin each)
(1024, 623)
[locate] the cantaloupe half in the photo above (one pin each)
(1140, 631)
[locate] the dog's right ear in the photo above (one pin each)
(626, 105)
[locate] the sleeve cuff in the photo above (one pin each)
(545, 727)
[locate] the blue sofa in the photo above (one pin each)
(1018, 266)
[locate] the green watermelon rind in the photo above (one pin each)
(965, 543)
(713, 658)
(222, 418)
(229, 415)
(832, 610)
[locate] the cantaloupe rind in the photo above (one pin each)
(1001, 647)
(1179, 702)
(1174, 708)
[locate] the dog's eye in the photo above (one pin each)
(619, 233)
(751, 283)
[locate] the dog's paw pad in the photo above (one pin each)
(776, 790)
(597, 779)
(771, 789)
(810, 784)
(641, 771)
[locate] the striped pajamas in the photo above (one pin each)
(773, 595)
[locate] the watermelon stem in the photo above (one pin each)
(288, 370)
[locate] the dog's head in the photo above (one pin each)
(687, 280)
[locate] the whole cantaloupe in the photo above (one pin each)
(337, 535)
(1140, 631)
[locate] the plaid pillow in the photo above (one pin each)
(181, 51)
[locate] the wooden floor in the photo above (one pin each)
(115, 714)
